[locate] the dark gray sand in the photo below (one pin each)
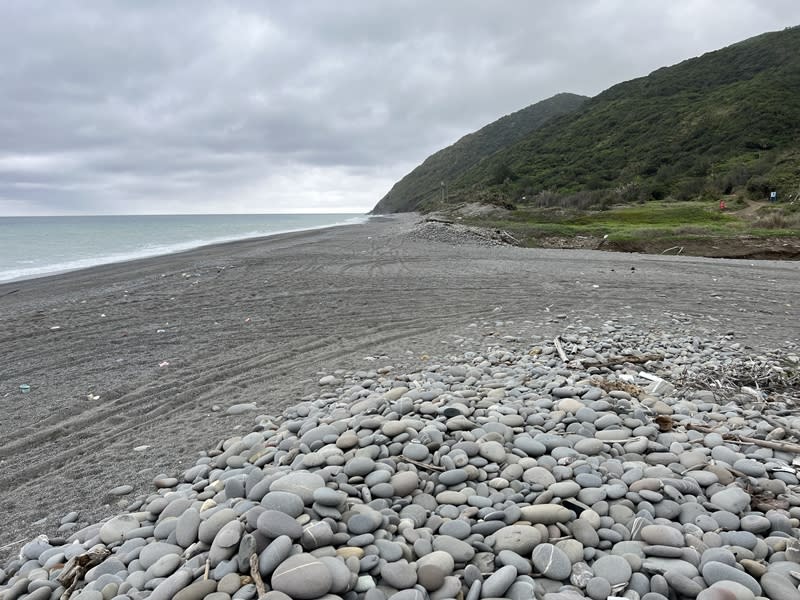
(131, 367)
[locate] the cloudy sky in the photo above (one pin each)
(313, 106)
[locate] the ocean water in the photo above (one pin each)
(36, 246)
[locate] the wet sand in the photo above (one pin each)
(151, 352)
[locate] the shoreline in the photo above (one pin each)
(176, 248)
(259, 321)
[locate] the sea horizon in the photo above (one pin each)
(33, 246)
(264, 214)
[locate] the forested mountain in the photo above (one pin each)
(450, 164)
(727, 121)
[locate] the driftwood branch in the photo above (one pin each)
(420, 464)
(778, 424)
(509, 239)
(77, 566)
(256, 575)
(628, 359)
(560, 349)
(13, 543)
(732, 437)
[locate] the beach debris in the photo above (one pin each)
(141, 448)
(55, 328)
(255, 574)
(664, 422)
(629, 358)
(91, 396)
(77, 566)
(163, 363)
(12, 544)
(560, 349)
(24, 388)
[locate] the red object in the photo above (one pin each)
(722, 205)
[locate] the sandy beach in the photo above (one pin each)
(132, 366)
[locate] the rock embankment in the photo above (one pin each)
(500, 473)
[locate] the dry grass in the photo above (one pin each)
(691, 230)
(778, 219)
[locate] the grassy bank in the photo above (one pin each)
(652, 227)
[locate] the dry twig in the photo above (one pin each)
(420, 464)
(633, 359)
(742, 439)
(13, 543)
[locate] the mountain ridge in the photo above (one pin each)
(447, 164)
(724, 122)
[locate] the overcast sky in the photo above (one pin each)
(180, 107)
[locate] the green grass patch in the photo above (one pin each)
(651, 221)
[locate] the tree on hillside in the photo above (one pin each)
(502, 173)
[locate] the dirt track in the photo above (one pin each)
(259, 321)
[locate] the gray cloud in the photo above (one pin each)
(214, 106)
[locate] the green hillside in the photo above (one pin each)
(450, 164)
(726, 122)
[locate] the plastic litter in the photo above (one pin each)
(24, 388)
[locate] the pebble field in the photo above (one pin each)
(609, 463)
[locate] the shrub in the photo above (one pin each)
(690, 189)
(758, 188)
(501, 173)
(546, 199)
